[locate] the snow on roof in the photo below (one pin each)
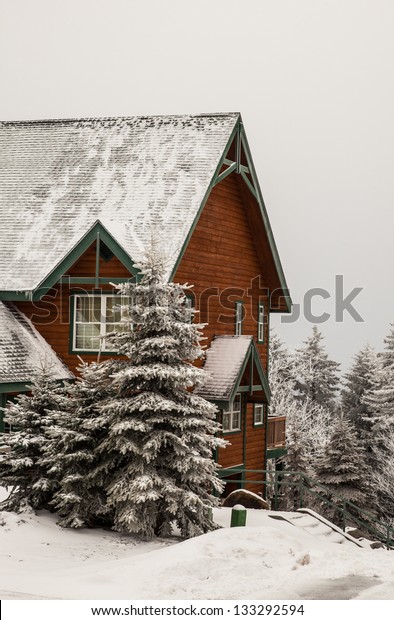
(139, 176)
(23, 350)
(225, 358)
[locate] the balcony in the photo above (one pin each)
(276, 439)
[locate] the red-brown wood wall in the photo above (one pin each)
(222, 256)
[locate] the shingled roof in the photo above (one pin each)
(23, 350)
(225, 361)
(134, 175)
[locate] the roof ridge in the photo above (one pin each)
(116, 118)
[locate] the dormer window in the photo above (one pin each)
(94, 317)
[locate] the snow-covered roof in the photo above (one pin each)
(23, 350)
(224, 362)
(138, 176)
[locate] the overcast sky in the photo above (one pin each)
(313, 80)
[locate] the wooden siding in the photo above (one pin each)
(221, 261)
(246, 446)
(51, 315)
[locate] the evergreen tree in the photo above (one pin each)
(281, 376)
(308, 424)
(23, 468)
(157, 453)
(317, 375)
(80, 500)
(297, 459)
(360, 381)
(383, 478)
(380, 398)
(342, 467)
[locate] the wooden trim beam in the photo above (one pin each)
(225, 173)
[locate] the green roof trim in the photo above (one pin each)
(275, 453)
(264, 215)
(238, 133)
(9, 388)
(253, 355)
(95, 232)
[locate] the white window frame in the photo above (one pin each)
(239, 317)
(258, 407)
(261, 323)
(189, 305)
(103, 323)
(232, 419)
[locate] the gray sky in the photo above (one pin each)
(313, 80)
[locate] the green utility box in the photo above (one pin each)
(238, 516)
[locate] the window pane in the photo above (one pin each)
(237, 403)
(236, 421)
(238, 318)
(258, 414)
(114, 308)
(115, 327)
(88, 309)
(261, 324)
(226, 421)
(87, 336)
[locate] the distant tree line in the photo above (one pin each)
(341, 433)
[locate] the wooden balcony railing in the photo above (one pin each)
(276, 432)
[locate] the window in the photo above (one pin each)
(189, 305)
(232, 418)
(239, 315)
(94, 317)
(258, 415)
(261, 323)
(5, 427)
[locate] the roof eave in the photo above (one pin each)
(69, 259)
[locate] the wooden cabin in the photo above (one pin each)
(79, 201)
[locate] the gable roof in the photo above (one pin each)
(23, 350)
(135, 175)
(225, 364)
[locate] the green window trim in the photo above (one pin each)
(2, 405)
(5, 428)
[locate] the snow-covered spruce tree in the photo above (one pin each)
(157, 456)
(281, 376)
(317, 375)
(359, 382)
(342, 468)
(81, 498)
(22, 469)
(380, 398)
(297, 459)
(383, 479)
(305, 418)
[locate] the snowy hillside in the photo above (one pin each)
(269, 559)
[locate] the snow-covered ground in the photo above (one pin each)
(268, 559)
